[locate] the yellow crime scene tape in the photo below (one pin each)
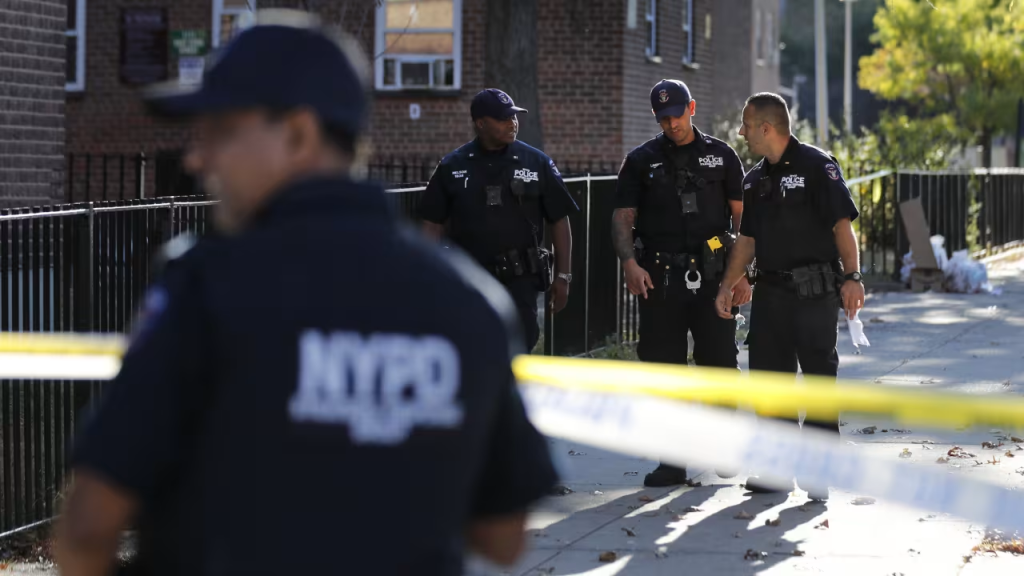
(675, 414)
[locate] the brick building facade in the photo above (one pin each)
(32, 84)
(597, 60)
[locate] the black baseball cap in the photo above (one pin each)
(670, 98)
(283, 62)
(493, 103)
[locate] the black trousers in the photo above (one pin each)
(670, 311)
(524, 291)
(785, 331)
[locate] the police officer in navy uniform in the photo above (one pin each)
(495, 193)
(315, 372)
(678, 205)
(797, 222)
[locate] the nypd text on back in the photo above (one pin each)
(381, 386)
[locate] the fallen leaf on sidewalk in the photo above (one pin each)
(876, 320)
(575, 453)
(823, 525)
(629, 532)
(942, 460)
(1009, 454)
(1015, 439)
(692, 509)
(993, 461)
(743, 515)
(863, 501)
(755, 555)
(1020, 471)
(958, 452)
(560, 491)
(633, 473)
(990, 446)
(841, 423)
(692, 484)
(776, 522)
(868, 430)
(645, 498)
(901, 431)
(1018, 447)
(927, 447)
(906, 453)
(885, 430)
(607, 557)
(661, 552)
(798, 552)
(997, 544)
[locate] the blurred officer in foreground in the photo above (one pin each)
(496, 193)
(677, 208)
(317, 391)
(797, 222)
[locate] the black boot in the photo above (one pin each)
(665, 475)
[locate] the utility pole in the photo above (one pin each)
(848, 69)
(820, 72)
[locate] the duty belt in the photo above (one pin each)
(691, 263)
(516, 263)
(810, 282)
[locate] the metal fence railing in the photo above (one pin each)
(83, 267)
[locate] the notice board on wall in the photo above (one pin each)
(144, 45)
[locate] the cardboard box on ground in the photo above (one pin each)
(926, 275)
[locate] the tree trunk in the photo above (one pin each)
(986, 150)
(510, 60)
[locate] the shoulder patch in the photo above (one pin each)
(554, 168)
(832, 170)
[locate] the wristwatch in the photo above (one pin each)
(566, 277)
(855, 276)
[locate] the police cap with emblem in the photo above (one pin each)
(285, 61)
(493, 103)
(670, 98)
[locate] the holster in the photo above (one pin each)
(715, 260)
(815, 281)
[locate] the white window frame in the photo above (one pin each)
(218, 11)
(688, 54)
(79, 34)
(758, 37)
(651, 27)
(380, 32)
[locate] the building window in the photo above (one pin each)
(229, 18)
(75, 53)
(418, 45)
(758, 39)
(687, 31)
(651, 19)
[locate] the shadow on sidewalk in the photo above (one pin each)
(668, 538)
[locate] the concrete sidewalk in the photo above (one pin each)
(957, 342)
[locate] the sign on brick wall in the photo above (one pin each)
(143, 45)
(189, 43)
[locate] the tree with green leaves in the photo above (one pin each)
(961, 58)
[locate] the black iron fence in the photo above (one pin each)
(974, 210)
(102, 177)
(83, 267)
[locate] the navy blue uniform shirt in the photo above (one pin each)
(647, 183)
(320, 394)
(457, 191)
(790, 208)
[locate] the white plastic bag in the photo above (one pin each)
(857, 332)
(938, 248)
(966, 275)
